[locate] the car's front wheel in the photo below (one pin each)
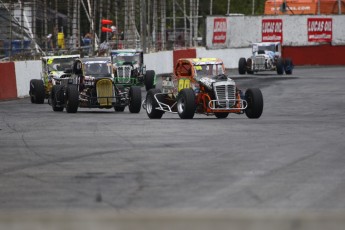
(186, 103)
(72, 100)
(280, 66)
(57, 97)
(149, 79)
(288, 66)
(152, 104)
(37, 91)
(255, 103)
(242, 66)
(134, 99)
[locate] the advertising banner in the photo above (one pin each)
(272, 30)
(219, 31)
(319, 29)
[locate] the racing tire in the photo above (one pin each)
(249, 66)
(152, 104)
(72, 99)
(149, 79)
(119, 108)
(288, 66)
(255, 103)
(56, 98)
(37, 91)
(221, 115)
(134, 105)
(280, 66)
(186, 104)
(242, 66)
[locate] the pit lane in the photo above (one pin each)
(289, 159)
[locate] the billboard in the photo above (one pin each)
(219, 31)
(320, 29)
(272, 30)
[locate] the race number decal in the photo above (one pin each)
(50, 61)
(183, 83)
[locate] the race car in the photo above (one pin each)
(266, 56)
(52, 68)
(129, 69)
(199, 85)
(90, 84)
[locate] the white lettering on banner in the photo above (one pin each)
(219, 26)
(319, 26)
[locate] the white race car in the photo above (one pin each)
(266, 56)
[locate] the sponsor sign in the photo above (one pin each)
(319, 29)
(272, 30)
(219, 31)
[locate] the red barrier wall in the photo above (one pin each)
(186, 53)
(8, 84)
(315, 55)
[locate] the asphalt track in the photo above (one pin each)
(292, 158)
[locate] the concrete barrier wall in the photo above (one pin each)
(241, 31)
(25, 71)
(159, 62)
(8, 84)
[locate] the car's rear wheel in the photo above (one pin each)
(288, 66)
(72, 99)
(149, 79)
(280, 66)
(186, 104)
(221, 115)
(242, 66)
(255, 103)
(134, 99)
(119, 108)
(37, 91)
(152, 104)
(57, 98)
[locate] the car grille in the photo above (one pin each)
(124, 74)
(259, 62)
(104, 92)
(225, 95)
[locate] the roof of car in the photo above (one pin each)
(95, 59)
(203, 61)
(265, 43)
(125, 51)
(60, 57)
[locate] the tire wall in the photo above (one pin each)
(8, 84)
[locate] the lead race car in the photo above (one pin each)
(52, 68)
(199, 85)
(90, 84)
(266, 56)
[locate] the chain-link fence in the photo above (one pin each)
(30, 29)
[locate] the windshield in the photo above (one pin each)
(126, 58)
(267, 48)
(97, 69)
(60, 64)
(208, 70)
